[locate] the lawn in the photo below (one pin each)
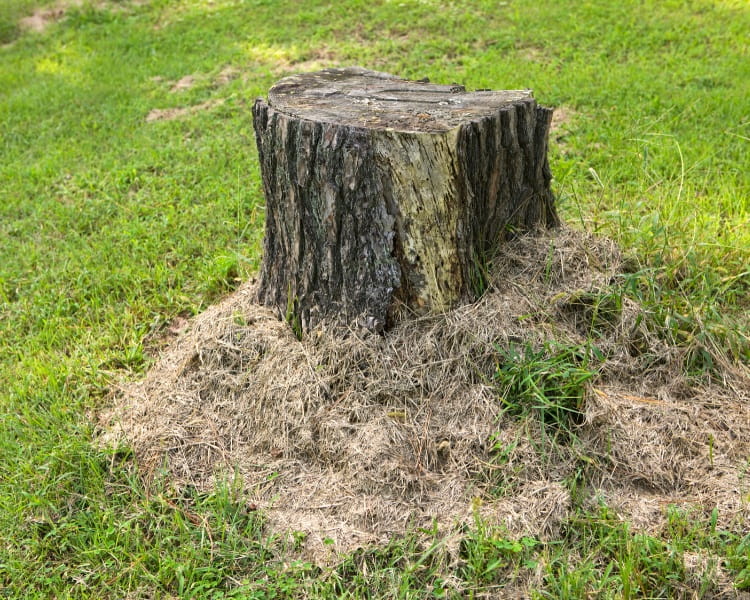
(130, 197)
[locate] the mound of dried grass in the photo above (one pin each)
(356, 437)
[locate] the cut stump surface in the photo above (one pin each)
(385, 195)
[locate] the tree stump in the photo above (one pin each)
(385, 194)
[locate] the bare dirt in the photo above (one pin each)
(187, 82)
(354, 437)
(283, 61)
(315, 60)
(43, 17)
(226, 75)
(169, 114)
(184, 83)
(561, 117)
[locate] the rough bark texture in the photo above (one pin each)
(384, 193)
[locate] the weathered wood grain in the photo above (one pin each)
(384, 194)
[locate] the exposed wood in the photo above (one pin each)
(383, 193)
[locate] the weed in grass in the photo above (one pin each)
(595, 312)
(404, 568)
(600, 556)
(180, 543)
(548, 384)
(738, 561)
(692, 319)
(492, 557)
(613, 562)
(501, 473)
(694, 533)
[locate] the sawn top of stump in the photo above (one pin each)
(359, 97)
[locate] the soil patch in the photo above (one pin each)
(561, 116)
(169, 114)
(42, 18)
(315, 60)
(283, 61)
(226, 75)
(355, 437)
(185, 83)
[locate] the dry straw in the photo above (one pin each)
(355, 437)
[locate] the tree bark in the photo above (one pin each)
(384, 194)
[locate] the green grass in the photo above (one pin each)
(110, 226)
(548, 385)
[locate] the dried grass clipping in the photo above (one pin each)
(356, 437)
